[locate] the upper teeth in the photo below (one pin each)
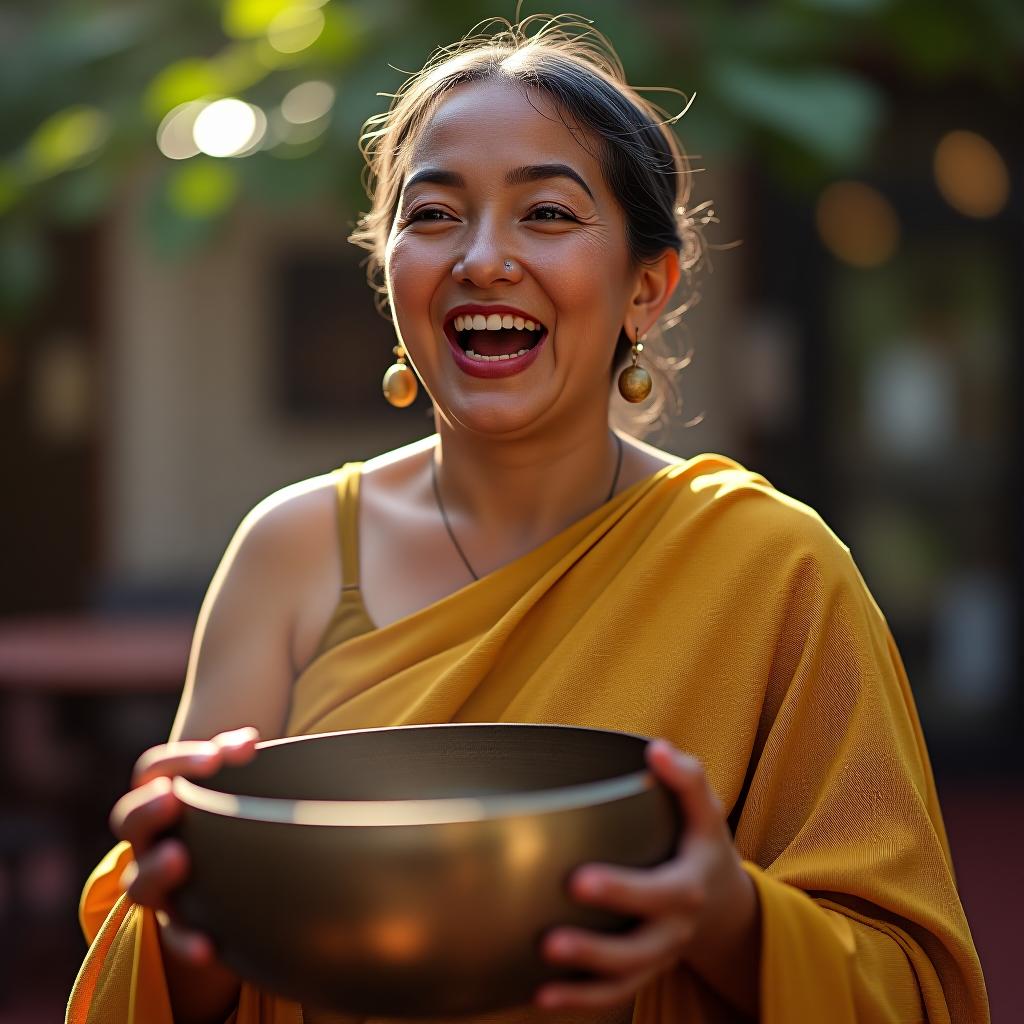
(494, 322)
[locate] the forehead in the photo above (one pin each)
(503, 122)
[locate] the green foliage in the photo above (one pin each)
(833, 116)
(85, 85)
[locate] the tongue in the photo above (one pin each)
(499, 343)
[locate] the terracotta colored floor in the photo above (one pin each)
(986, 834)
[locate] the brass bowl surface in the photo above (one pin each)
(412, 871)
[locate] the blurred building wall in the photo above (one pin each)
(193, 431)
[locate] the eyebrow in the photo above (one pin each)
(516, 176)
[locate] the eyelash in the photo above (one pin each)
(554, 209)
(418, 214)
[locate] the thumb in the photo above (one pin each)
(684, 775)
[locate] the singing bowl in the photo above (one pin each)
(413, 871)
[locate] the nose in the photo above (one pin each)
(485, 260)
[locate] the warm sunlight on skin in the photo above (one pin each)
(569, 253)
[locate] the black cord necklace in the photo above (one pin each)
(444, 515)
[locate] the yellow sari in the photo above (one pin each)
(705, 607)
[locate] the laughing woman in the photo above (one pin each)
(528, 563)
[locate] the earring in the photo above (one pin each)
(634, 381)
(400, 385)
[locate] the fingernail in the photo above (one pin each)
(128, 876)
(247, 732)
(590, 884)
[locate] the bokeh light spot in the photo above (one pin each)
(295, 29)
(245, 19)
(174, 135)
(228, 127)
(67, 138)
(971, 175)
(857, 224)
(307, 102)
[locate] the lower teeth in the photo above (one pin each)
(492, 359)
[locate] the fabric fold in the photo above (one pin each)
(704, 607)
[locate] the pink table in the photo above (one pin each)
(94, 654)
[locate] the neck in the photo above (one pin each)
(506, 498)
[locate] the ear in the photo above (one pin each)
(653, 287)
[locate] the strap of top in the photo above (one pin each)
(347, 489)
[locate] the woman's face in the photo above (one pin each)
(496, 176)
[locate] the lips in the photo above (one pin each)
(490, 369)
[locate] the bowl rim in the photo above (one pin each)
(426, 811)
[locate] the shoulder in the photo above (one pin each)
(291, 517)
(738, 510)
(775, 555)
(299, 520)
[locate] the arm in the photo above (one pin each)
(847, 909)
(840, 825)
(240, 673)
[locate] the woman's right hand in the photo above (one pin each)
(143, 814)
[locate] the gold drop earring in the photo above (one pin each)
(634, 381)
(400, 387)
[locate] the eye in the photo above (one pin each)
(555, 212)
(429, 214)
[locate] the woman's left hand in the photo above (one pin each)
(699, 909)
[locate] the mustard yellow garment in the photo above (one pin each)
(702, 606)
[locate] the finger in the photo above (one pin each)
(702, 810)
(144, 813)
(239, 745)
(593, 995)
(644, 949)
(199, 758)
(669, 888)
(156, 873)
(185, 944)
(188, 757)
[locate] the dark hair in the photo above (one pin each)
(642, 161)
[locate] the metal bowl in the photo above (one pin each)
(413, 871)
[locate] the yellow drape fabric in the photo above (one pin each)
(703, 606)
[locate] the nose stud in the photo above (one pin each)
(508, 264)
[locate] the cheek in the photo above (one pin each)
(589, 286)
(411, 274)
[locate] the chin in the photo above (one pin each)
(493, 415)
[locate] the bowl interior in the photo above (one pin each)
(432, 762)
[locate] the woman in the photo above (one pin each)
(528, 563)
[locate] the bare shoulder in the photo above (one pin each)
(389, 489)
(245, 630)
(392, 467)
(292, 535)
(641, 460)
(291, 518)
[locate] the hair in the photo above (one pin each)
(642, 161)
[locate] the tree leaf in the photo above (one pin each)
(832, 114)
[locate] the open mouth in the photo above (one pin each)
(495, 337)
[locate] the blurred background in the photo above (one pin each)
(184, 329)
